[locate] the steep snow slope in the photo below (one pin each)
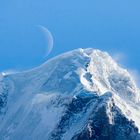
(80, 95)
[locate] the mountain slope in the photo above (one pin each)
(80, 95)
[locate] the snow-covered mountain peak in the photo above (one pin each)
(103, 74)
(92, 69)
(82, 94)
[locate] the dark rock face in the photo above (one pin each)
(74, 107)
(3, 96)
(98, 126)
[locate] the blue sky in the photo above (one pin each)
(109, 25)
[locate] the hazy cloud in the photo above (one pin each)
(122, 59)
(136, 76)
(119, 57)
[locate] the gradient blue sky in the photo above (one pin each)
(110, 25)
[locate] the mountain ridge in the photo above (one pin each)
(66, 97)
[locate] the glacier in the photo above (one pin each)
(79, 95)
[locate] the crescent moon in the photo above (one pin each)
(49, 38)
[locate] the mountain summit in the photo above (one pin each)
(80, 95)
